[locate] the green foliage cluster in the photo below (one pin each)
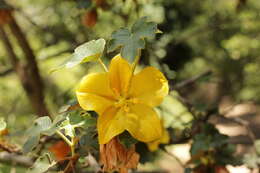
(72, 124)
(197, 36)
(213, 148)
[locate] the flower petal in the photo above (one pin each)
(94, 93)
(143, 123)
(119, 74)
(110, 124)
(149, 86)
(153, 146)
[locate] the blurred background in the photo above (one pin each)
(209, 51)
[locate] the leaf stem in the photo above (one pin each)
(72, 147)
(102, 64)
(175, 157)
(48, 157)
(64, 138)
(137, 58)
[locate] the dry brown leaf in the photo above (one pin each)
(116, 157)
(4, 132)
(5, 146)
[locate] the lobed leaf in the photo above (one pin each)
(86, 52)
(69, 129)
(89, 51)
(42, 125)
(31, 143)
(132, 41)
(142, 28)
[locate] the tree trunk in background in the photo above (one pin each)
(29, 73)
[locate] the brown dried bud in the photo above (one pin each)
(116, 157)
(60, 150)
(5, 16)
(89, 19)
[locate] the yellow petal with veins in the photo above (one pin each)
(149, 86)
(110, 124)
(119, 75)
(143, 123)
(94, 94)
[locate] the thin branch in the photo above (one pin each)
(175, 157)
(191, 80)
(6, 72)
(11, 158)
(243, 123)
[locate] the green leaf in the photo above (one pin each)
(89, 51)
(54, 126)
(41, 165)
(81, 119)
(2, 124)
(89, 122)
(88, 140)
(127, 140)
(142, 28)
(132, 41)
(69, 129)
(41, 124)
(86, 52)
(31, 143)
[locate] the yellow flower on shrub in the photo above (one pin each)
(124, 101)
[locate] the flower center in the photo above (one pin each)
(124, 103)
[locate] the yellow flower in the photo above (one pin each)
(124, 100)
(165, 138)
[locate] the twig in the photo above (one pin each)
(6, 72)
(175, 157)
(11, 158)
(243, 123)
(191, 80)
